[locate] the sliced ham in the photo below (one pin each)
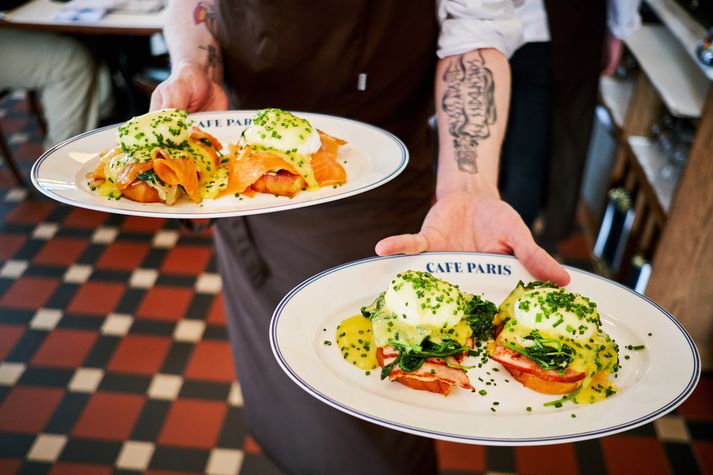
(434, 375)
(513, 360)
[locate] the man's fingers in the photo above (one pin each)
(402, 244)
(156, 100)
(537, 261)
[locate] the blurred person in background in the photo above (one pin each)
(75, 89)
(374, 62)
(555, 80)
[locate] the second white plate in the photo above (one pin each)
(651, 382)
(371, 158)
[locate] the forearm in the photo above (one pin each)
(472, 97)
(189, 33)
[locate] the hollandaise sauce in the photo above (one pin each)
(355, 341)
(561, 330)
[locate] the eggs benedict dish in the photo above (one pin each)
(419, 331)
(551, 340)
(159, 157)
(282, 154)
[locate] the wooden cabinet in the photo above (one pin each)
(673, 219)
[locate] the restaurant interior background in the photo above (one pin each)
(113, 347)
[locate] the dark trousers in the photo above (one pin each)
(525, 158)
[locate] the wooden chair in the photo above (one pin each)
(36, 109)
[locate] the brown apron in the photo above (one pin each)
(307, 56)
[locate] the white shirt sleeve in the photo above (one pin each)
(623, 17)
(473, 24)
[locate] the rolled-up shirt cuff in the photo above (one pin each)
(466, 26)
(622, 30)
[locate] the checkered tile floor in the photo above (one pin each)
(114, 356)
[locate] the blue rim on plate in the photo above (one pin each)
(196, 212)
(484, 439)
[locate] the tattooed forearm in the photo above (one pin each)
(212, 55)
(469, 104)
(205, 13)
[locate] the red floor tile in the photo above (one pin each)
(97, 298)
(699, 404)
(187, 260)
(61, 251)
(29, 293)
(28, 409)
(140, 354)
(216, 314)
(251, 446)
(84, 219)
(550, 459)
(165, 303)
(65, 348)
(29, 151)
(30, 212)
(704, 451)
(8, 465)
(123, 256)
(10, 244)
(193, 423)
(211, 360)
(9, 336)
(140, 224)
(12, 125)
(626, 454)
(462, 457)
(109, 416)
(67, 468)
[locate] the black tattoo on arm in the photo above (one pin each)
(205, 13)
(212, 55)
(469, 103)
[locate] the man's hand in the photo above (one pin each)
(190, 88)
(458, 222)
(612, 55)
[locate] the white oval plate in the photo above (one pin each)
(371, 158)
(651, 382)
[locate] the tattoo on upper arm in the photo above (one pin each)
(205, 13)
(212, 55)
(469, 103)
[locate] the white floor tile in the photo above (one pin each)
(45, 231)
(16, 195)
(86, 380)
(143, 278)
(10, 373)
(104, 235)
(672, 429)
(46, 319)
(209, 284)
(135, 455)
(78, 273)
(224, 462)
(117, 324)
(47, 447)
(235, 397)
(13, 269)
(165, 386)
(166, 239)
(189, 330)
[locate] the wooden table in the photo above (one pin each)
(39, 15)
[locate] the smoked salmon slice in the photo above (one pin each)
(179, 171)
(281, 183)
(250, 167)
(130, 173)
(327, 170)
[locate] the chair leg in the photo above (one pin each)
(10, 161)
(36, 107)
